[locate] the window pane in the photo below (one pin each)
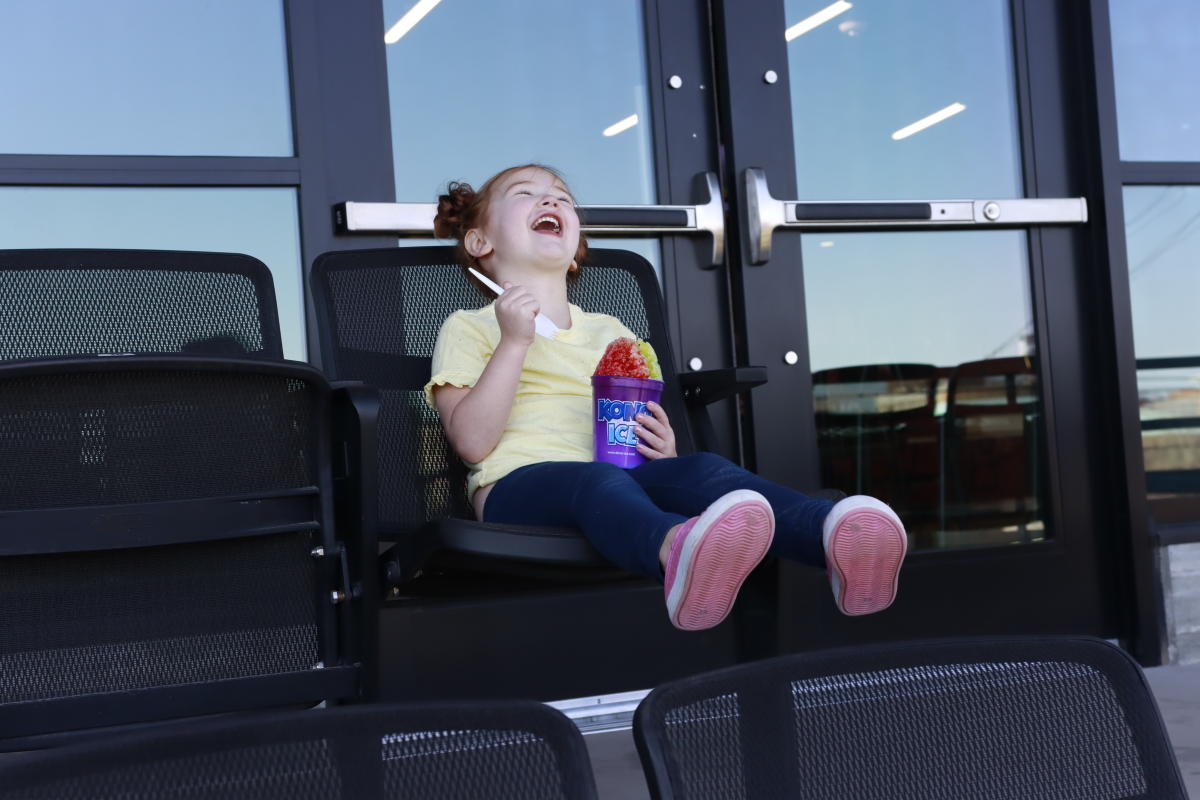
(1154, 62)
(863, 80)
(145, 77)
(477, 87)
(1162, 229)
(925, 381)
(258, 222)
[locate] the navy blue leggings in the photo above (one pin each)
(625, 514)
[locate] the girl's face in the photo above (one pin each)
(530, 220)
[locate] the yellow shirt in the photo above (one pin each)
(551, 417)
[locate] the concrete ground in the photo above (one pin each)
(1177, 688)
(1178, 692)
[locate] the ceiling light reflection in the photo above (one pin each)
(410, 19)
(820, 18)
(623, 125)
(925, 122)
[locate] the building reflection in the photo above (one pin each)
(1169, 407)
(957, 451)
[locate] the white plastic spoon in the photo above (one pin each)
(541, 323)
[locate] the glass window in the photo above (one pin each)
(924, 376)
(477, 87)
(925, 380)
(1154, 63)
(145, 77)
(260, 222)
(1162, 229)
(897, 101)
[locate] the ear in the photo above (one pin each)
(476, 244)
(574, 267)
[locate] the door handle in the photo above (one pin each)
(416, 219)
(764, 214)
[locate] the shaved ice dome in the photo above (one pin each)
(627, 358)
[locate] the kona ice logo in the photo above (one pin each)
(618, 416)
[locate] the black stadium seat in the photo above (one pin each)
(988, 718)
(494, 751)
(99, 302)
(379, 313)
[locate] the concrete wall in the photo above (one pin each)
(1181, 591)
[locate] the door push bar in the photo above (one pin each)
(764, 214)
(416, 219)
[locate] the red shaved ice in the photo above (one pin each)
(624, 359)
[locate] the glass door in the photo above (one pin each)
(913, 299)
(921, 344)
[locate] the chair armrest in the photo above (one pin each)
(355, 410)
(710, 385)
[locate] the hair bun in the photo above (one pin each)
(452, 206)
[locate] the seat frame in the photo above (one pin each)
(346, 596)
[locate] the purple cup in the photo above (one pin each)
(616, 402)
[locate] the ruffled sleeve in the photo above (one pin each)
(462, 350)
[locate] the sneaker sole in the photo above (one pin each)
(865, 552)
(726, 544)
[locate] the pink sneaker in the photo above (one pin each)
(865, 545)
(711, 556)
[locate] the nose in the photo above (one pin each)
(549, 200)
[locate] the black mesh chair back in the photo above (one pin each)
(161, 520)
(522, 751)
(89, 302)
(988, 719)
(379, 313)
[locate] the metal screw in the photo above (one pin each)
(992, 211)
(317, 552)
(695, 363)
(790, 357)
(675, 81)
(337, 596)
(770, 76)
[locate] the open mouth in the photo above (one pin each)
(548, 223)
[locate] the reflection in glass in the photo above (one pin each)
(925, 380)
(145, 77)
(1162, 229)
(477, 87)
(1154, 67)
(260, 222)
(868, 73)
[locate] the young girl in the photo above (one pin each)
(517, 409)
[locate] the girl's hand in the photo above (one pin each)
(515, 310)
(654, 430)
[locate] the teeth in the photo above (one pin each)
(547, 218)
